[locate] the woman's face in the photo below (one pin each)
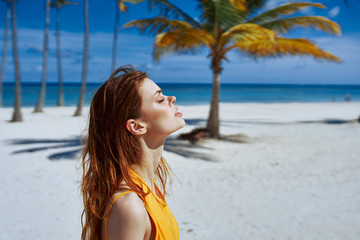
(158, 111)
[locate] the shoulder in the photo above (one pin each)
(129, 206)
(128, 218)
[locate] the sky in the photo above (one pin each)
(136, 49)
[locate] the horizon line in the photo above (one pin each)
(189, 83)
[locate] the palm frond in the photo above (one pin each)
(181, 40)
(284, 47)
(68, 3)
(159, 51)
(60, 3)
(185, 38)
(239, 4)
(121, 4)
(168, 9)
(245, 32)
(157, 25)
(122, 7)
(253, 6)
(320, 23)
(220, 14)
(64, 2)
(132, 1)
(284, 9)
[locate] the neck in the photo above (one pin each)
(152, 152)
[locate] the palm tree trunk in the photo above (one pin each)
(115, 37)
(78, 111)
(39, 106)
(58, 54)
(213, 119)
(5, 47)
(17, 116)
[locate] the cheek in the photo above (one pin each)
(160, 120)
(161, 117)
(154, 114)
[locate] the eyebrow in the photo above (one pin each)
(158, 92)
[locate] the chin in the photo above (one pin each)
(183, 123)
(180, 125)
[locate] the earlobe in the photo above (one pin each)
(135, 127)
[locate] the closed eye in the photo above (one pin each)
(161, 100)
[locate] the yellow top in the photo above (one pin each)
(164, 221)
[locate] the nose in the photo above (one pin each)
(172, 99)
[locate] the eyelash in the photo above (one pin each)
(161, 100)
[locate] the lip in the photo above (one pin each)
(178, 114)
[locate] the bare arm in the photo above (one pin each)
(128, 219)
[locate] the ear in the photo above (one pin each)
(135, 127)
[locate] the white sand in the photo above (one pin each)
(297, 177)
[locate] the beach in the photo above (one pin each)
(296, 175)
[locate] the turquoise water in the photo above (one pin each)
(189, 94)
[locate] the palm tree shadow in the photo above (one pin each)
(195, 121)
(332, 121)
(186, 149)
(67, 152)
(47, 144)
(227, 123)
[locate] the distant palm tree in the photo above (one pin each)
(58, 4)
(17, 116)
(78, 111)
(5, 46)
(40, 103)
(233, 24)
(120, 6)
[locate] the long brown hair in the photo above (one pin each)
(110, 148)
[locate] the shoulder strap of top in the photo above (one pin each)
(107, 217)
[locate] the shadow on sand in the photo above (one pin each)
(70, 148)
(62, 145)
(198, 121)
(186, 149)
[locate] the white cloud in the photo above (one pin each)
(153, 66)
(299, 65)
(307, 10)
(334, 12)
(274, 3)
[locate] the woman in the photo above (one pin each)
(130, 120)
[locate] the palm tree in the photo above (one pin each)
(58, 4)
(120, 6)
(40, 103)
(78, 111)
(17, 116)
(232, 24)
(5, 46)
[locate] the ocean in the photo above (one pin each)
(190, 94)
